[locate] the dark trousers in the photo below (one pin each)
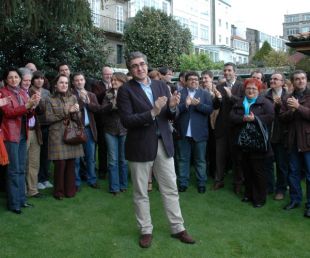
(44, 162)
(102, 153)
(227, 155)
(64, 178)
(255, 179)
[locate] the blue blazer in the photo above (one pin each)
(135, 112)
(198, 115)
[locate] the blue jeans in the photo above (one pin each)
(295, 165)
(117, 165)
(187, 147)
(17, 153)
(89, 151)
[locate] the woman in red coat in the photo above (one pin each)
(15, 128)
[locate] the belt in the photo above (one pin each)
(31, 128)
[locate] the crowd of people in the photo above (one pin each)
(144, 123)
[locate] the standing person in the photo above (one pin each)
(295, 111)
(166, 76)
(208, 85)
(33, 140)
(99, 89)
(277, 94)
(14, 127)
(115, 135)
(247, 110)
(88, 105)
(231, 91)
(41, 129)
(145, 107)
(192, 124)
(62, 105)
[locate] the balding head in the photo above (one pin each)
(107, 73)
(31, 66)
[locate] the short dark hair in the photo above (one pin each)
(10, 69)
(62, 64)
(207, 72)
(191, 73)
(182, 74)
(292, 77)
(36, 75)
(164, 70)
(258, 71)
(134, 55)
(77, 74)
(231, 64)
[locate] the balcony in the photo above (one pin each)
(108, 24)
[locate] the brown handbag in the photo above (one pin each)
(74, 135)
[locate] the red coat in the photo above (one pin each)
(12, 116)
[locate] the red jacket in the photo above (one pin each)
(12, 116)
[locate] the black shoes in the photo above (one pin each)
(307, 213)
(201, 189)
(95, 186)
(291, 205)
(182, 189)
(246, 199)
(17, 211)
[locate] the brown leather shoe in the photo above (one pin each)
(279, 196)
(218, 185)
(184, 237)
(145, 240)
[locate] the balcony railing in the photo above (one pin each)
(108, 24)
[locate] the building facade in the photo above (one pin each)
(111, 15)
(296, 23)
(257, 38)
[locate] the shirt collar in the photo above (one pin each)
(145, 85)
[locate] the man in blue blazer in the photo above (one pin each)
(192, 124)
(145, 107)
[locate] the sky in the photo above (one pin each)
(266, 15)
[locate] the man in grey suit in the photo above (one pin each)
(145, 107)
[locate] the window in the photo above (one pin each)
(193, 26)
(119, 54)
(119, 19)
(305, 29)
(204, 32)
(226, 25)
(220, 38)
(95, 8)
(220, 22)
(227, 41)
(306, 17)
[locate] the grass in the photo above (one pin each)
(96, 224)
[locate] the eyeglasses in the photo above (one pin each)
(275, 79)
(136, 66)
(193, 79)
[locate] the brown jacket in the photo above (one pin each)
(298, 122)
(56, 112)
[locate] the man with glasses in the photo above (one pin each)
(192, 124)
(277, 94)
(145, 107)
(295, 111)
(99, 89)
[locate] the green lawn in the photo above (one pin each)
(96, 224)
